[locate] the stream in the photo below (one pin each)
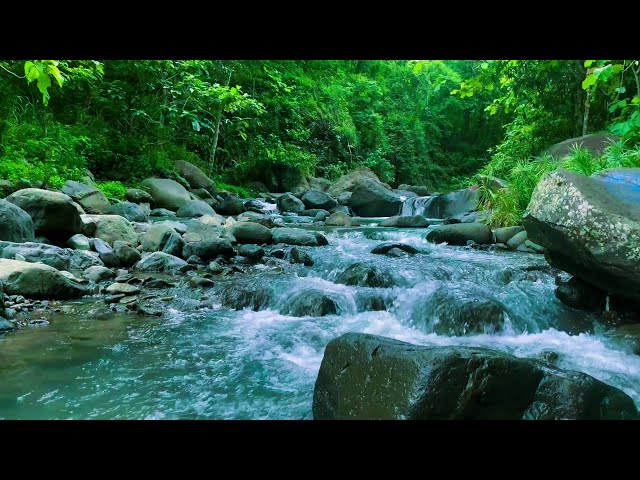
(218, 363)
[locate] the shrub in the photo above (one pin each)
(115, 190)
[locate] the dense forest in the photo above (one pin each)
(434, 123)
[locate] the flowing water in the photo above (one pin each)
(416, 205)
(217, 363)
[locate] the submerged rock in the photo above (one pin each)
(578, 294)
(369, 377)
(298, 255)
(313, 302)
(246, 294)
(460, 234)
(365, 275)
(384, 248)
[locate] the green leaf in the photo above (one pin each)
(588, 63)
(31, 71)
(44, 82)
(589, 81)
(55, 73)
(196, 125)
(635, 100)
(484, 65)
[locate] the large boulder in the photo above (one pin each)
(56, 257)
(313, 302)
(590, 227)
(370, 198)
(129, 210)
(89, 197)
(460, 233)
(370, 377)
(15, 224)
(162, 238)
(159, 262)
(231, 205)
(339, 219)
(594, 143)
(289, 203)
(54, 214)
(321, 184)
(410, 221)
(249, 232)
(195, 208)
(298, 236)
(113, 227)
(347, 183)
(166, 193)
(318, 199)
(36, 280)
(135, 195)
(196, 177)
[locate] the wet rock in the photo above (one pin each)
(89, 197)
(192, 174)
(56, 257)
(578, 294)
(113, 227)
(346, 183)
(6, 325)
(129, 210)
(195, 208)
(53, 213)
(98, 273)
(162, 238)
(231, 205)
(250, 232)
(209, 249)
(37, 281)
(79, 242)
(158, 283)
(150, 310)
(454, 313)
(460, 233)
(298, 255)
(369, 377)
(159, 262)
(529, 247)
(317, 199)
(126, 253)
(411, 221)
(292, 219)
(107, 255)
(253, 252)
(419, 190)
(321, 184)
(135, 195)
(166, 193)
(246, 294)
(194, 260)
(215, 268)
(516, 240)
(384, 248)
(339, 219)
(124, 288)
(289, 203)
(371, 199)
(15, 224)
(312, 212)
(314, 303)
(198, 281)
(365, 275)
(297, 236)
(278, 253)
(503, 235)
(162, 212)
(262, 219)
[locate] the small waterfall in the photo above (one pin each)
(417, 205)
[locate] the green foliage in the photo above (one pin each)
(112, 189)
(242, 192)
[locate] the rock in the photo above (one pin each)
(208, 249)
(396, 252)
(278, 253)
(106, 253)
(385, 248)
(578, 294)
(166, 193)
(419, 190)
(15, 224)
(196, 177)
(590, 227)
(6, 325)
(258, 187)
(246, 294)
(369, 377)
(126, 253)
(131, 211)
(458, 313)
(411, 221)
(339, 219)
(529, 247)
(503, 235)
(298, 255)
(252, 252)
(135, 195)
(81, 259)
(262, 219)
(460, 233)
(365, 275)
(79, 242)
(162, 238)
(215, 268)
(89, 197)
(371, 199)
(58, 258)
(318, 199)
(197, 281)
(195, 208)
(297, 236)
(159, 262)
(231, 205)
(347, 183)
(124, 288)
(203, 194)
(321, 184)
(113, 227)
(158, 283)
(36, 280)
(450, 221)
(312, 212)
(404, 193)
(150, 310)
(314, 303)
(53, 213)
(162, 212)
(98, 273)
(594, 143)
(516, 240)
(298, 192)
(2, 307)
(249, 232)
(344, 198)
(288, 203)
(293, 219)
(340, 209)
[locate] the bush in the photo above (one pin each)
(115, 190)
(236, 190)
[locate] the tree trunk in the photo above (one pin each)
(585, 122)
(216, 132)
(579, 117)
